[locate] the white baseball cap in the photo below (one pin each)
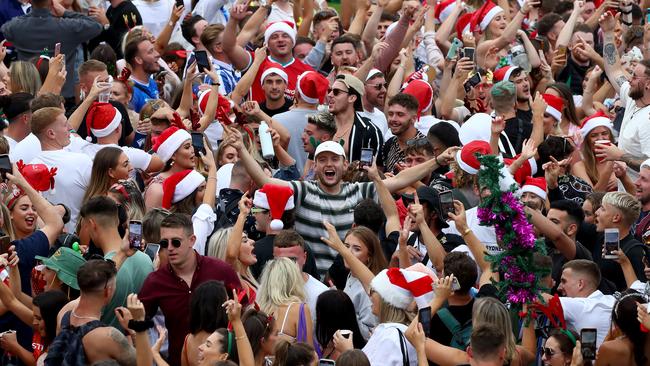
(330, 146)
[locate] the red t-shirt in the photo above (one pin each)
(293, 70)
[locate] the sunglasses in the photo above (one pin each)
(176, 243)
(421, 142)
(336, 92)
(549, 352)
(378, 86)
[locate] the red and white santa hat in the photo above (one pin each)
(39, 176)
(277, 199)
(477, 127)
(597, 119)
(423, 92)
(102, 119)
(463, 24)
(482, 17)
(504, 73)
(169, 141)
(527, 169)
(274, 68)
(536, 186)
(224, 106)
(467, 158)
(555, 106)
(280, 26)
(180, 185)
(443, 10)
(312, 87)
(399, 287)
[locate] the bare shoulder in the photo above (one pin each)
(108, 343)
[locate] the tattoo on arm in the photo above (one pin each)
(621, 80)
(126, 356)
(610, 53)
(632, 161)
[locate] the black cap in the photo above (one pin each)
(19, 104)
(431, 197)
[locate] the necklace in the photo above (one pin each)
(337, 136)
(83, 317)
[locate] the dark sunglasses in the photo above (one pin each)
(336, 92)
(378, 86)
(421, 142)
(176, 243)
(548, 352)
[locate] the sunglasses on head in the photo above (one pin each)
(420, 142)
(176, 243)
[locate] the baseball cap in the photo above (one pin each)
(430, 196)
(351, 82)
(64, 262)
(330, 146)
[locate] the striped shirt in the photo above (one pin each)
(393, 153)
(314, 206)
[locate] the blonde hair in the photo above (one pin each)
(24, 77)
(491, 312)
(629, 206)
(43, 118)
(281, 283)
(217, 247)
(391, 314)
(7, 225)
(589, 158)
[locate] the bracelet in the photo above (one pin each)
(140, 325)
(436, 159)
(467, 231)
(215, 178)
(239, 338)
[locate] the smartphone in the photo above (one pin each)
(453, 49)
(366, 158)
(447, 204)
(647, 16)
(197, 142)
(202, 61)
(5, 166)
(472, 82)
(561, 50)
(611, 243)
(5, 243)
(179, 3)
(135, 234)
(57, 49)
(424, 318)
(588, 342)
(468, 52)
(152, 250)
(455, 285)
(326, 362)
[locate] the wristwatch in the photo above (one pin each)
(107, 25)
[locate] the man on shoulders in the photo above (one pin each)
(142, 56)
(170, 287)
(119, 18)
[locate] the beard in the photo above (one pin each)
(636, 93)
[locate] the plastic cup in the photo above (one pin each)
(603, 142)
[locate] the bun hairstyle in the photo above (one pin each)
(293, 354)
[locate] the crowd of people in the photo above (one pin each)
(292, 182)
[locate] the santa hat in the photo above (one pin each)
(39, 176)
(274, 68)
(224, 176)
(463, 24)
(224, 106)
(102, 119)
(277, 199)
(280, 26)
(504, 73)
(312, 87)
(477, 127)
(443, 10)
(536, 186)
(180, 185)
(467, 158)
(169, 141)
(595, 120)
(399, 287)
(423, 92)
(527, 169)
(484, 15)
(555, 106)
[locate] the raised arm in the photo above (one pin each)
(626, 267)
(359, 20)
(386, 200)
(213, 102)
(448, 98)
(613, 68)
(357, 268)
(244, 349)
(166, 34)
(510, 32)
(448, 26)
(252, 26)
(235, 238)
(531, 51)
(411, 175)
(369, 35)
(77, 116)
(552, 232)
(237, 54)
(434, 249)
(564, 37)
(245, 83)
(307, 18)
(252, 109)
(394, 40)
(55, 76)
(187, 97)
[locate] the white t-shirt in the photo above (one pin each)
(485, 234)
(12, 143)
(313, 288)
(26, 150)
(593, 311)
(139, 159)
(71, 180)
(155, 15)
(383, 347)
(425, 122)
(634, 137)
(378, 118)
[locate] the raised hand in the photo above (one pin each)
(333, 239)
(460, 217)
(233, 307)
(607, 22)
